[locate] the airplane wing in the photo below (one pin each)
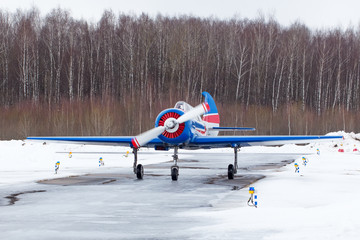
(197, 142)
(117, 141)
(245, 141)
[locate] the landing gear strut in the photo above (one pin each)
(175, 167)
(232, 169)
(138, 168)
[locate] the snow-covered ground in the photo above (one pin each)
(319, 201)
(322, 201)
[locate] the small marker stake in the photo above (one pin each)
(305, 161)
(101, 162)
(251, 201)
(57, 166)
(296, 168)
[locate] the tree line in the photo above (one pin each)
(285, 80)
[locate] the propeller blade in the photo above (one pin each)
(196, 111)
(147, 136)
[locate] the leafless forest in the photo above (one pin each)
(64, 76)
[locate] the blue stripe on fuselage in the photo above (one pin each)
(198, 125)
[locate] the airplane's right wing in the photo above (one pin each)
(96, 140)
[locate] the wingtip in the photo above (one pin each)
(135, 143)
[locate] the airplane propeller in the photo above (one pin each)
(171, 125)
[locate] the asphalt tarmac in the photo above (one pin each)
(113, 204)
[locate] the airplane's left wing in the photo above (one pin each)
(244, 141)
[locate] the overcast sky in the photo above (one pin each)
(314, 13)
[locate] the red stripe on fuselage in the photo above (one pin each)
(211, 118)
(202, 132)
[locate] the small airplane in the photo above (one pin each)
(182, 127)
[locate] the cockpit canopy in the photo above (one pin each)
(183, 106)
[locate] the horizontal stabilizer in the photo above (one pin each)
(231, 129)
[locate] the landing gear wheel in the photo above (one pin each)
(139, 171)
(231, 171)
(174, 173)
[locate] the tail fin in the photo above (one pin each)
(211, 118)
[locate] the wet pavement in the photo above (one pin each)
(113, 204)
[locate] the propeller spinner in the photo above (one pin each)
(171, 125)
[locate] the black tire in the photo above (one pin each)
(139, 171)
(231, 171)
(174, 173)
